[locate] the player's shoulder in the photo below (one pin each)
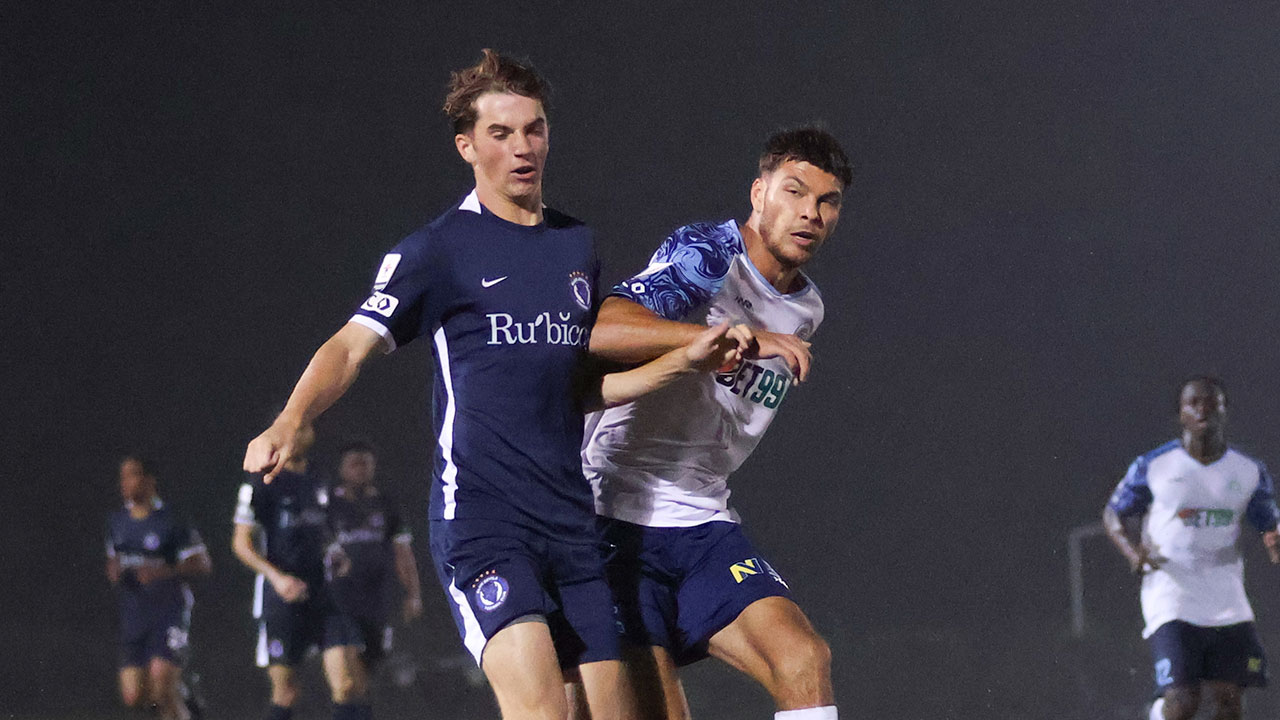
(1151, 455)
(722, 236)
(556, 220)
(1245, 458)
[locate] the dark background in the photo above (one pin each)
(1059, 212)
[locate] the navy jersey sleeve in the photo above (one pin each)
(396, 308)
(400, 531)
(1262, 511)
(1133, 495)
(187, 540)
(686, 271)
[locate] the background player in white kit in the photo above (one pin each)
(1176, 518)
(687, 581)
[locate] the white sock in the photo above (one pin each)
(1157, 709)
(826, 712)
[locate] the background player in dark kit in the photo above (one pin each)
(294, 557)
(1176, 517)
(151, 554)
(687, 579)
(506, 290)
(376, 540)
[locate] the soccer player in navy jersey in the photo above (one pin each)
(688, 581)
(1176, 516)
(373, 534)
(505, 288)
(295, 560)
(151, 554)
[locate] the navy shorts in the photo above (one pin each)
(163, 636)
(1186, 654)
(677, 586)
(495, 572)
(288, 631)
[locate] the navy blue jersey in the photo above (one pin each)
(291, 511)
(509, 309)
(366, 525)
(159, 538)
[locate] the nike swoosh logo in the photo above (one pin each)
(486, 282)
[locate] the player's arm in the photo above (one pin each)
(1123, 515)
(710, 349)
(113, 562)
(407, 574)
(1264, 515)
(331, 371)
(288, 587)
(193, 556)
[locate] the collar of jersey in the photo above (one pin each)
(156, 503)
(471, 203)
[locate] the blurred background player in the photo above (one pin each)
(373, 535)
(151, 554)
(1176, 518)
(688, 581)
(505, 288)
(292, 600)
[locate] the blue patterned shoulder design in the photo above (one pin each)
(686, 271)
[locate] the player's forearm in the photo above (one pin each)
(627, 332)
(330, 373)
(622, 387)
(242, 547)
(407, 570)
(197, 565)
(1119, 535)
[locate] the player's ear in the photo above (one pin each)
(758, 188)
(466, 148)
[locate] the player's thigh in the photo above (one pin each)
(655, 680)
(1227, 699)
(132, 684)
(520, 663)
(1235, 656)
(1178, 658)
(771, 634)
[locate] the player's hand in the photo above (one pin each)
(412, 608)
(1147, 559)
(149, 572)
(714, 348)
(1271, 541)
(793, 351)
(336, 561)
(289, 588)
(269, 452)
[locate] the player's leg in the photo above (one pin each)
(1177, 649)
(348, 681)
(1233, 660)
(653, 678)
(282, 644)
(284, 691)
(1226, 699)
(163, 677)
(773, 642)
(133, 686)
(520, 663)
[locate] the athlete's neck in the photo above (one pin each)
(1206, 448)
(783, 278)
(140, 509)
(525, 210)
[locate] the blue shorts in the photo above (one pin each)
(1186, 654)
(495, 572)
(677, 586)
(288, 631)
(162, 636)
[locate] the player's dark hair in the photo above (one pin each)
(147, 464)
(494, 73)
(809, 144)
(1211, 381)
(357, 445)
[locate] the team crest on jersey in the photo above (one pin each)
(491, 591)
(581, 289)
(276, 649)
(805, 331)
(151, 541)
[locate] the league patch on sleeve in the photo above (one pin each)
(388, 268)
(381, 303)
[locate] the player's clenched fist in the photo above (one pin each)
(716, 347)
(275, 447)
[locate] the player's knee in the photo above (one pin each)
(284, 692)
(131, 696)
(1228, 702)
(808, 659)
(345, 688)
(1181, 703)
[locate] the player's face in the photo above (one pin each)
(1202, 408)
(508, 145)
(135, 483)
(357, 468)
(799, 205)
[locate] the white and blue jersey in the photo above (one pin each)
(508, 308)
(1192, 516)
(665, 459)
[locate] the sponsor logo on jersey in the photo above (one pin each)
(386, 270)
(491, 590)
(758, 384)
(545, 328)
(151, 541)
(381, 303)
(1206, 517)
(742, 301)
(487, 283)
(580, 287)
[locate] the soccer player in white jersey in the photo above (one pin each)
(1176, 518)
(687, 581)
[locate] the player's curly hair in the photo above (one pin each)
(494, 73)
(811, 144)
